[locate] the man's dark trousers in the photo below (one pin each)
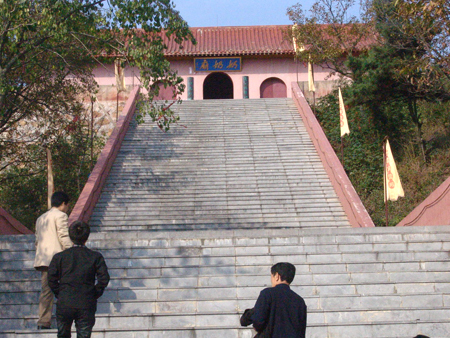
(84, 321)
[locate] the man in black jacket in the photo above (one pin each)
(279, 312)
(71, 276)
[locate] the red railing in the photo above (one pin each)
(91, 192)
(10, 226)
(353, 207)
(433, 210)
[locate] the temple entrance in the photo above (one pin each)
(217, 86)
(273, 88)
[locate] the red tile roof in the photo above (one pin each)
(239, 40)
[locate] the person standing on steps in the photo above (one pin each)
(279, 312)
(77, 276)
(52, 236)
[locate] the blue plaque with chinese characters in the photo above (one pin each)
(217, 64)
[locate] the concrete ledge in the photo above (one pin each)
(434, 210)
(353, 207)
(93, 188)
(10, 226)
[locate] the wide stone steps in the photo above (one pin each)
(397, 329)
(190, 222)
(368, 279)
(238, 164)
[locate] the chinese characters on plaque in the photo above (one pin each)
(217, 64)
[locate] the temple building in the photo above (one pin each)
(231, 63)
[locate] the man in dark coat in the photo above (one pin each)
(279, 312)
(71, 276)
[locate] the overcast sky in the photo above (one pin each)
(203, 13)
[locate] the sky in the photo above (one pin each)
(204, 13)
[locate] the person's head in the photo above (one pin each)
(79, 232)
(60, 200)
(282, 273)
(421, 336)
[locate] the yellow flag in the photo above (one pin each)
(343, 116)
(392, 186)
(120, 78)
(312, 88)
(297, 47)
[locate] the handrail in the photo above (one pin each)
(91, 192)
(353, 207)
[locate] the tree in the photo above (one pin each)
(399, 70)
(329, 34)
(23, 188)
(48, 49)
(427, 24)
(407, 61)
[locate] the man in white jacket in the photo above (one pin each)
(52, 236)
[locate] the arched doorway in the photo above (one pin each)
(272, 87)
(217, 86)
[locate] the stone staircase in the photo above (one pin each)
(373, 282)
(191, 221)
(228, 164)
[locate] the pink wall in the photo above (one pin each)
(257, 69)
(104, 75)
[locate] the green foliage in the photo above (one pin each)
(328, 34)
(48, 49)
(23, 188)
(363, 159)
(158, 113)
(23, 193)
(399, 88)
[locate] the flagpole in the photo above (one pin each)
(92, 132)
(314, 92)
(314, 102)
(342, 151)
(385, 183)
(50, 185)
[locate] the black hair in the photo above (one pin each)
(59, 198)
(79, 232)
(421, 336)
(285, 270)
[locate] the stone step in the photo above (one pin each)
(261, 255)
(128, 301)
(433, 238)
(18, 272)
(151, 321)
(249, 170)
(351, 280)
(252, 153)
(307, 253)
(401, 329)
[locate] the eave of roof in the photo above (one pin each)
(235, 40)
